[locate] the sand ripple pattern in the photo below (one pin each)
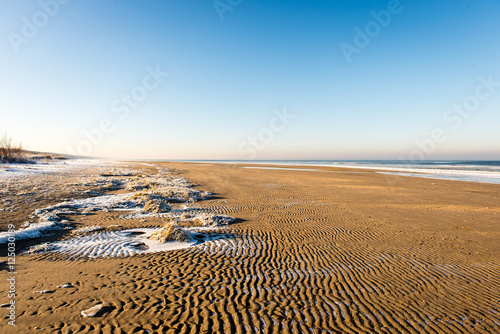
(101, 244)
(296, 265)
(313, 290)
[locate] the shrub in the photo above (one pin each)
(171, 232)
(9, 152)
(156, 205)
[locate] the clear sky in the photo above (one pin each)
(253, 79)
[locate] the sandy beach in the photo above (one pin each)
(311, 250)
(234, 166)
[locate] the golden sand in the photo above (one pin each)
(314, 251)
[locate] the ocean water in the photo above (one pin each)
(471, 171)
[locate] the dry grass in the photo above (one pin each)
(171, 232)
(10, 152)
(156, 205)
(118, 172)
(156, 194)
(139, 184)
(171, 194)
(211, 220)
(41, 157)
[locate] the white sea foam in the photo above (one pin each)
(470, 176)
(436, 170)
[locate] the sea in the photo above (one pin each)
(458, 170)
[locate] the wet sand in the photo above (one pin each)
(330, 250)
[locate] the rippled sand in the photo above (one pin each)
(313, 251)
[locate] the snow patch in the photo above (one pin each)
(32, 231)
(121, 243)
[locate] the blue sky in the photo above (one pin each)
(229, 78)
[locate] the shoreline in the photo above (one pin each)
(477, 176)
(451, 172)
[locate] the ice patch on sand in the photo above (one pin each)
(87, 229)
(161, 195)
(99, 203)
(50, 219)
(48, 167)
(32, 231)
(205, 219)
(120, 243)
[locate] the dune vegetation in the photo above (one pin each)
(171, 232)
(11, 152)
